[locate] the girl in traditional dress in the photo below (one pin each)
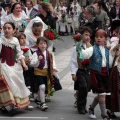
(113, 102)
(75, 18)
(99, 72)
(42, 63)
(13, 92)
(70, 25)
(63, 24)
(27, 54)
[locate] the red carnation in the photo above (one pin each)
(49, 35)
(85, 63)
(24, 49)
(77, 37)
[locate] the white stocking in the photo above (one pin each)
(42, 92)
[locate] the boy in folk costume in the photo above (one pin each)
(43, 69)
(99, 72)
(79, 72)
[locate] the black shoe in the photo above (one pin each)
(86, 111)
(37, 102)
(105, 117)
(81, 111)
(111, 115)
(3, 110)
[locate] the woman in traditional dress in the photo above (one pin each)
(17, 17)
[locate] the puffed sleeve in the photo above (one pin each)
(18, 49)
(34, 62)
(87, 53)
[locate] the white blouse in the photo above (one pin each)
(35, 62)
(12, 43)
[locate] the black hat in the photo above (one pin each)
(114, 25)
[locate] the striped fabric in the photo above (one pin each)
(7, 98)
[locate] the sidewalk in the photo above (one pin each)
(62, 62)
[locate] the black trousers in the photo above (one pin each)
(83, 88)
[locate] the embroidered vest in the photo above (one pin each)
(96, 59)
(79, 61)
(7, 55)
(42, 61)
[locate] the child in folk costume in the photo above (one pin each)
(79, 72)
(13, 92)
(57, 18)
(70, 25)
(62, 24)
(99, 72)
(42, 63)
(75, 19)
(33, 31)
(113, 101)
(27, 54)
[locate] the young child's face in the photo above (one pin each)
(37, 30)
(22, 41)
(42, 45)
(100, 39)
(86, 37)
(8, 30)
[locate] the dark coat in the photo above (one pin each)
(48, 20)
(4, 4)
(113, 13)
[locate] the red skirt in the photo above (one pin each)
(113, 101)
(100, 82)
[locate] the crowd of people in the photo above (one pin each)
(27, 58)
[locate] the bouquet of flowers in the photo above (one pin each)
(51, 34)
(63, 18)
(85, 64)
(77, 37)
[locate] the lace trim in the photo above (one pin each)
(8, 43)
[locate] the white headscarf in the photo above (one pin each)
(30, 24)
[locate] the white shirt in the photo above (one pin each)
(73, 61)
(35, 62)
(28, 12)
(89, 52)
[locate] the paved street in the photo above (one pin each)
(62, 105)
